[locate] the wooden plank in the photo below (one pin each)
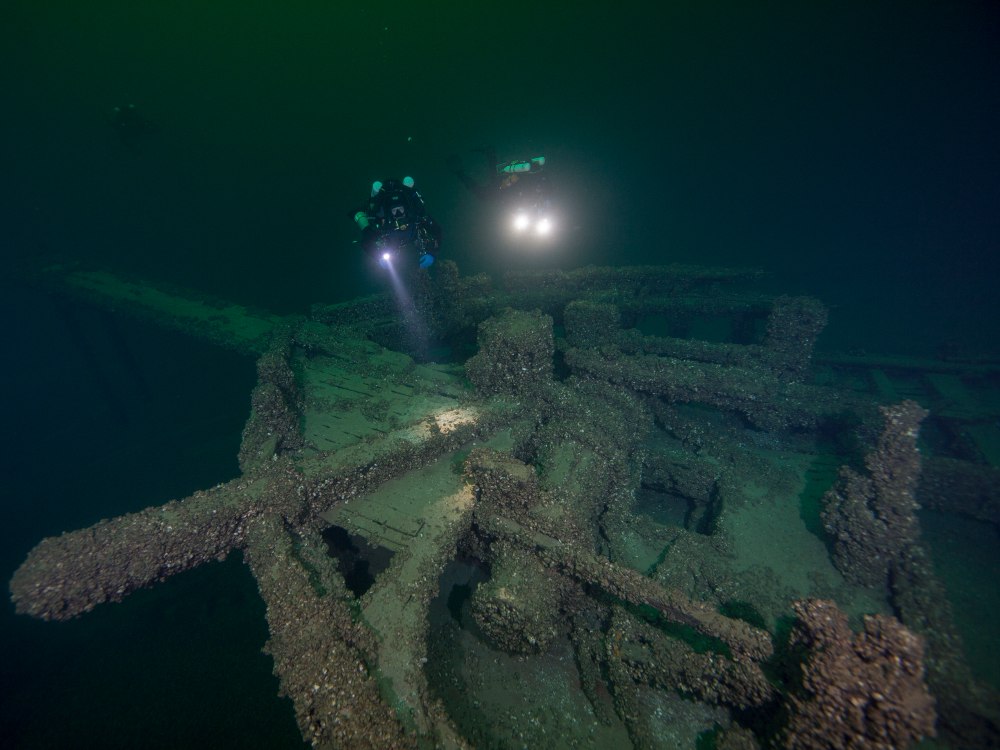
(884, 388)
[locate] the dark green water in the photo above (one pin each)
(849, 148)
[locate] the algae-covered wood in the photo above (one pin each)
(582, 512)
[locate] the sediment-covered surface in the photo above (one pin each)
(597, 530)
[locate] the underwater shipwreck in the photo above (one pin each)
(624, 507)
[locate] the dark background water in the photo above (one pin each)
(849, 148)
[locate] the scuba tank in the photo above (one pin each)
(518, 167)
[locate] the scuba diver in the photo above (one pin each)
(131, 125)
(519, 187)
(395, 222)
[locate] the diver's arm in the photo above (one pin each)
(417, 205)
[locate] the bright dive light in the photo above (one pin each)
(544, 226)
(521, 222)
(386, 256)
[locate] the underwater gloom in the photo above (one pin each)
(500, 375)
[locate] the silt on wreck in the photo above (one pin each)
(589, 517)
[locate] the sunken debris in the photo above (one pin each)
(600, 463)
(872, 519)
(875, 530)
(863, 690)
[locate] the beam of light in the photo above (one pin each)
(398, 288)
(413, 323)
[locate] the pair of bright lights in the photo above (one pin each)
(522, 223)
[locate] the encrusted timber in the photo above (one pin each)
(678, 291)
(890, 364)
(692, 477)
(738, 355)
(376, 317)
(647, 655)
(680, 473)
(223, 323)
(863, 690)
(677, 307)
(686, 306)
(321, 656)
(745, 641)
(968, 709)
(479, 292)
(359, 469)
(235, 327)
(871, 520)
(585, 497)
(876, 540)
(68, 575)
(627, 280)
(760, 397)
(673, 290)
(515, 354)
(396, 611)
(375, 306)
(276, 409)
(792, 328)
(962, 487)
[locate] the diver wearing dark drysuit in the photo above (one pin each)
(514, 186)
(396, 219)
